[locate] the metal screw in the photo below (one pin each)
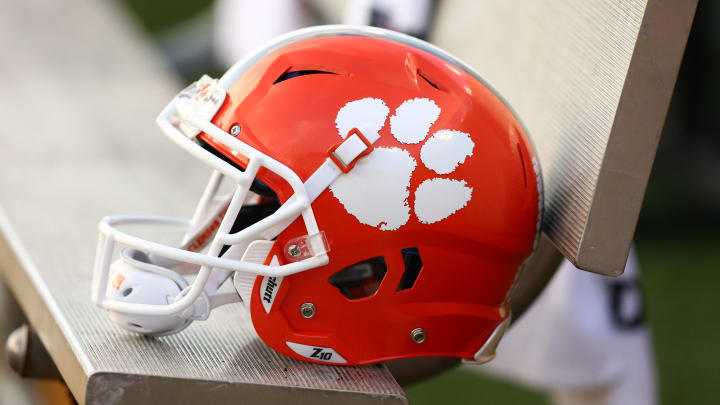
(418, 335)
(294, 250)
(235, 130)
(307, 310)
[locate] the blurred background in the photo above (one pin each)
(678, 243)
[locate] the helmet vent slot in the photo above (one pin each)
(297, 73)
(524, 167)
(419, 73)
(413, 265)
(360, 280)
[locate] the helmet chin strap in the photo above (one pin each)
(135, 279)
(140, 278)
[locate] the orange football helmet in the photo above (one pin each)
(385, 198)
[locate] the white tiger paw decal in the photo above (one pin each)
(376, 191)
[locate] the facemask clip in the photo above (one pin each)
(305, 247)
(200, 100)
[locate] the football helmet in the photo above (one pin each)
(384, 198)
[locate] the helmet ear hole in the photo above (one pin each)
(127, 291)
(134, 325)
(360, 280)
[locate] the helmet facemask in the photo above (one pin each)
(233, 231)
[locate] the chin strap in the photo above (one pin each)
(205, 304)
(136, 279)
(342, 157)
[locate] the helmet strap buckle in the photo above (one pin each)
(348, 151)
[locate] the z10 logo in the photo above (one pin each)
(318, 353)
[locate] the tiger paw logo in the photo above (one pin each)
(376, 191)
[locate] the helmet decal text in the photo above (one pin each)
(317, 353)
(268, 291)
(269, 288)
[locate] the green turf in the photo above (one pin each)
(464, 387)
(681, 279)
(157, 15)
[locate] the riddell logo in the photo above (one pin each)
(269, 288)
(203, 237)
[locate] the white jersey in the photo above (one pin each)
(584, 331)
(243, 25)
